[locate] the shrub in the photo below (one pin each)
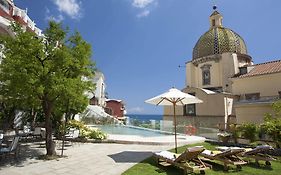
(272, 124)
(235, 132)
(249, 131)
(94, 134)
(272, 127)
(75, 124)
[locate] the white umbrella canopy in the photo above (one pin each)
(174, 97)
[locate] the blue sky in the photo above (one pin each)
(139, 44)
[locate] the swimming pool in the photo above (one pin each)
(129, 130)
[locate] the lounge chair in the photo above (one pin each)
(227, 156)
(12, 149)
(72, 133)
(37, 132)
(188, 160)
(259, 153)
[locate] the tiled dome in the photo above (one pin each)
(218, 40)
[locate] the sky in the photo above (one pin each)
(139, 44)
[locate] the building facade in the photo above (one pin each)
(222, 74)
(9, 12)
(115, 108)
(256, 87)
(99, 95)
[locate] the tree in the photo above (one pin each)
(272, 124)
(47, 71)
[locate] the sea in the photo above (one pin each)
(145, 117)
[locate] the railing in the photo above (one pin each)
(168, 126)
(261, 99)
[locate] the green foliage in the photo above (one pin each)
(76, 124)
(235, 132)
(249, 131)
(95, 134)
(92, 133)
(85, 131)
(149, 166)
(272, 124)
(46, 73)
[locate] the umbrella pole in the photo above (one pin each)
(175, 123)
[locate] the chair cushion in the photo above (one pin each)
(166, 154)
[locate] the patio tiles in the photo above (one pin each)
(82, 159)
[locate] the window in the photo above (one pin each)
(189, 109)
(4, 5)
(279, 94)
(206, 75)
(253, 96)
(243, 70)
(214, 23)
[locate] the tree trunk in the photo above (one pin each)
(34, 116)
(50, 145)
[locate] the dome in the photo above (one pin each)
(218, 40)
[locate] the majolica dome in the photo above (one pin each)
(218, 40)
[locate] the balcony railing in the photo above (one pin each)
(265, 99)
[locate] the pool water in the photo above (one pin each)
(126, 130)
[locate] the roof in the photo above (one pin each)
(113, 100)
(264, 68)
(219, 40)
(214, 13)
(208, 91)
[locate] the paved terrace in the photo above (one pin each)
(87, 158)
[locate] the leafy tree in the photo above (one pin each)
(249, 131)
(272, 124)
(47, 72)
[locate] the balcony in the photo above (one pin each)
(4, 5)
(264, 99)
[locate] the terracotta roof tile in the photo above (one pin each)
(264, 68)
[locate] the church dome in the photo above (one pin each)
(218, 40)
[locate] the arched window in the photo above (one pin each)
(206, 75)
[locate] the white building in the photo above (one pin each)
(10, 13)
(99, 94)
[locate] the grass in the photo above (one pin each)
(150, 167)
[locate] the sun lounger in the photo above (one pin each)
(12, 149)
(260, 153)
(227, 156)
(188, 160)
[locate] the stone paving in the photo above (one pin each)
(82, 159)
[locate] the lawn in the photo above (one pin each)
(149, 167)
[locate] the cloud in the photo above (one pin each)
(72, 8)
(50, 17)
(135, 110)
(142, 3)
(144, 6)
(143, 13)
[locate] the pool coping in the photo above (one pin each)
(182, 139)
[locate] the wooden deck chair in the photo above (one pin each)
(228, 157)
(259, 153)
(188, 160)
(12, 149)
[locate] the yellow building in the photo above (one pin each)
(256, 87)
(222, 74)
